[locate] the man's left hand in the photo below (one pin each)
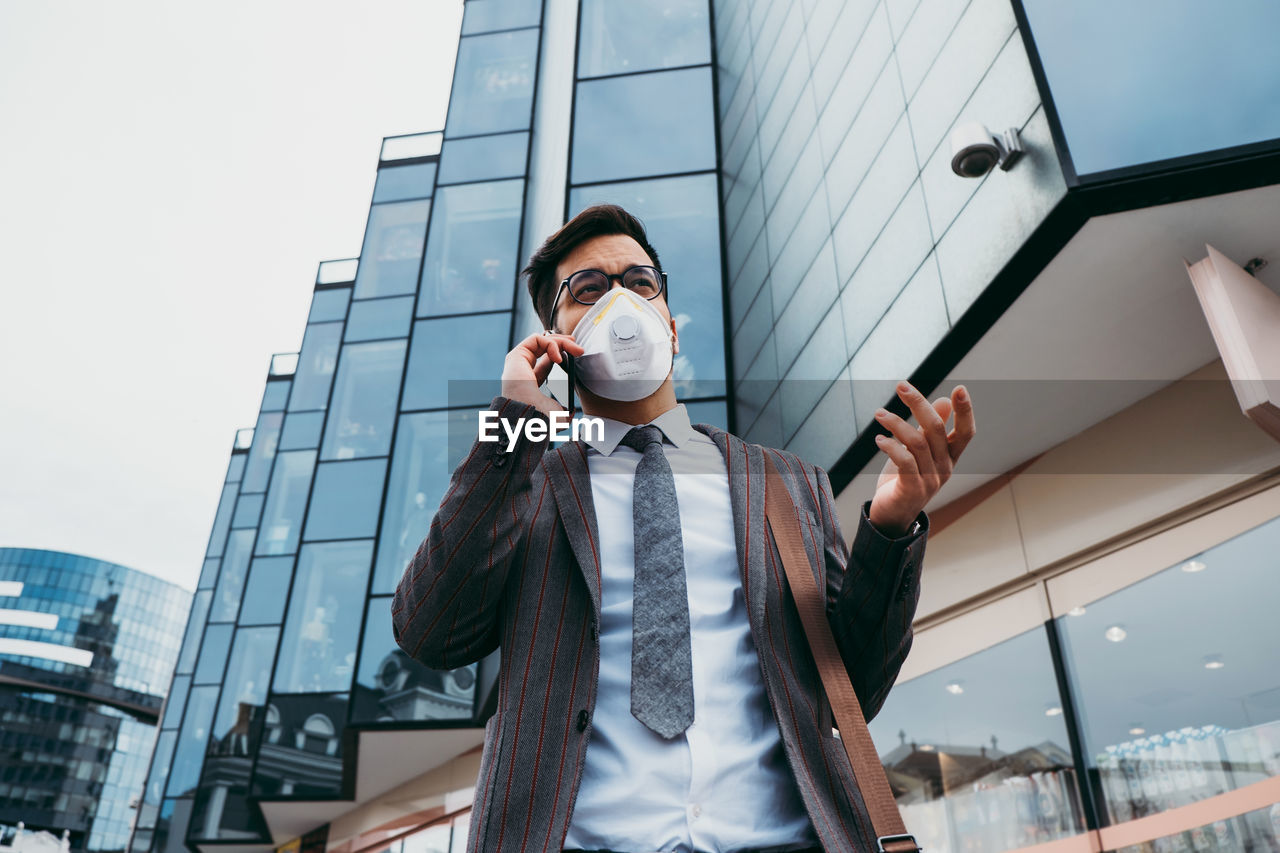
(920, 458)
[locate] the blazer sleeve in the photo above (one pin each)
(872, 592)
(445, 612)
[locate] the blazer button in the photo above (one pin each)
(583, 716)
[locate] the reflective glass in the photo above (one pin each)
(189, 755)
(316, 362)
(391, 685)
(235, 565)
(493, 84)
(713, 412)
(1162, 79)
(345, 500)
(209, 573)
(244, 689)
(318, 648)
(160, 758)
(421, 465)
(473, 252)
(286, 501)
(248, 510)
(978, 751)
(1176, 678)
(222, 811)
(392, 249)
(364, 401)
(265, 594)
(647, 124)
(380, 318)
(397, 183)
(176, 702)
(195, 630)
(275, 395)
(235, 469)
(213, 655)
(482, 16)
(483, 157)
(222, 520)
(640, 35)
(456, 361)
(265, 436)
(682, 218)
(329, 305)
(301, 431)
(302, 737)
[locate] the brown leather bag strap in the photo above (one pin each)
(886, 820)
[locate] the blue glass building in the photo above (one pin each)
(87, 650)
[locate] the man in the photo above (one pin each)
(657, 691)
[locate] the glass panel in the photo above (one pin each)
(493, 84)
(364, 401)
(1253, 831)
(159, 771)
(420, 470)
(286, 501)
(189, 755)
(275, 395)
(283, 364)
(265, 436)
(392, 249)
(222, 521)
(213, 654)
(1162, 80)
(301, 431)
(248, 511)
(1177, 681)
(380, 318)
(244, 689)
(397, 183)
(235, 470)
(411, 145)
(682, 219)
(456, 361)
(335, 271)
(171, 828)
(712, 412)
(482, 16)
(472, 255)
(265, 594)
(235, 565)
(977, 751)
(195, 630)
(222, 811)
(641, 35)
(345, 500)
(176, 702)
(329, 305)
(209, 573)
(315, 367)
(649, 124)
(393, 686)
(483, 157)
(318, 650)
(301, 753)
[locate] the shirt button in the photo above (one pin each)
(696, 810)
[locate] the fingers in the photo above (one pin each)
(916, 447)
(965, 426)
(932, 426)
(539, 344)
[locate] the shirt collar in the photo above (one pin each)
(674, 423)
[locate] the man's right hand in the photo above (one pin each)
(526, 368)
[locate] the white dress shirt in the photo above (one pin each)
(723, 784)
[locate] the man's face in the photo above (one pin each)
(610, 253)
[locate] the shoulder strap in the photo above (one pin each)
(780, 511)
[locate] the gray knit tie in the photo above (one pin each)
(661, 661)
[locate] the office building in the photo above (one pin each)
(1093, 658)
(87, 650)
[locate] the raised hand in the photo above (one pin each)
(527, 365)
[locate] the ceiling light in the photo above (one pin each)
(1076, 611)
(1137, 730)
(1116, 633)
(1053, 711)
(955, 688)
(1214, 662)
(1193, 566)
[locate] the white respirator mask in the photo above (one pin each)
(628, 347)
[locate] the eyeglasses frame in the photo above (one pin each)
(619, 276)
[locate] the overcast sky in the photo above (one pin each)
(170, 176)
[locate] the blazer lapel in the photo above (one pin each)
(566, 467)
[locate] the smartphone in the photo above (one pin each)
(569, 369)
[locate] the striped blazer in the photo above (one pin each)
(512, 560)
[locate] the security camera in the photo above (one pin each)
(975, 151)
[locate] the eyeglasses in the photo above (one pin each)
(587, 286)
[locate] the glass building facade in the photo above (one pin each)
(87, 650)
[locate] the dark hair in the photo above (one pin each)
(596, 221)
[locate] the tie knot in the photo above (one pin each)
(638, 438)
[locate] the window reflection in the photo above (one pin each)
(647, 124)
(641, 35)
(265, 436)
(301, 752)
(364, 400)
(235, 564)
(493, 84)
(977, 752)
(195, 630)
(1253, 831)
(373, 319)
(487, 15)
(456, 361)
(392, 686)
(397, 183)
(345, 500)
(318, 648)
(1176, 678)
(286, 500)
(213, 655)
(483, 157)
(244, 689)
(155, 779)
(222, 811)
(191, 742)
(265, 593)
(473, 249)
(176, 702)
(392, 249)
(316, 362)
